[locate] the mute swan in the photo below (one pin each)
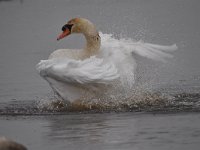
(75, 73)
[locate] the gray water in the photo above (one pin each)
(125, 131)
(167, 116)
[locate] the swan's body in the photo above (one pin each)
(76, 73)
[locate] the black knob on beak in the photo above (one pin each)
(67, 26)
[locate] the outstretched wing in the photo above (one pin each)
(119, 51)
(91, 70)
(154, 51)
(127, 46)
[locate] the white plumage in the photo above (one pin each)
(91, 70)
(95, 67)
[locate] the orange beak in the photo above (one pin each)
(64, 34)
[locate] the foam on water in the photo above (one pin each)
(154, 102)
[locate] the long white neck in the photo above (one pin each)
(93, 43)
(93, 40)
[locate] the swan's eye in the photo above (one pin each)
(67, 26)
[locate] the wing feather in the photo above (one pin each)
(91, 70)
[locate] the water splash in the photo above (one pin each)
(121, 95)
(155, 102)
(77, 79)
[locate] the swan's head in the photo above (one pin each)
(77, 25)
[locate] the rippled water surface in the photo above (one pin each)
(105, 131)
(162, 113)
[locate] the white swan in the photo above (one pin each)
(75, 73)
